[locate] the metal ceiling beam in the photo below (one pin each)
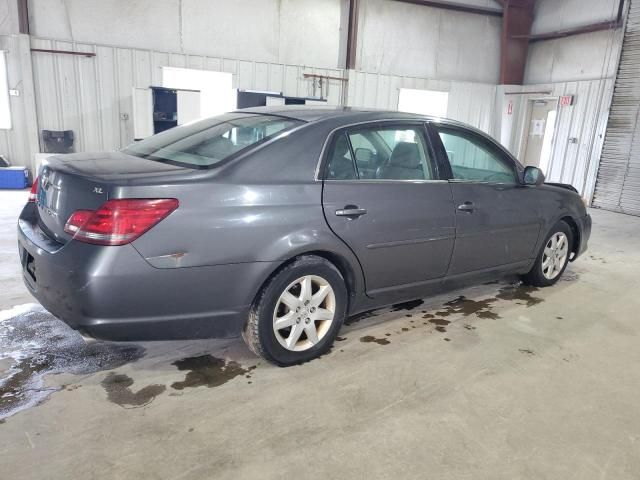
(593, 27)
(618, 22)
(516, 28)
(455, 6)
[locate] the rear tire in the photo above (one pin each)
(298, 313)
(553, 258)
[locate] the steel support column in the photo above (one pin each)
(516, 27)
(352, 35)
(23, 16)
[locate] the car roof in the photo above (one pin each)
(342, 116)
(313, 113)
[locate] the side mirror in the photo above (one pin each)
(533, 176)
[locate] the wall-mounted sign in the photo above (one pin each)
(566, 100)
(537, 128)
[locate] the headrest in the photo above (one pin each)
(405, 155)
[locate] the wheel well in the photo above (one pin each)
(341, 264)
(337, 260)
(575, 233)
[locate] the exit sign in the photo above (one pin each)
(566, 100)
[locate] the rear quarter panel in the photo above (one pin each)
(265, 207)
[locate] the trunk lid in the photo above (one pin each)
(85, 181)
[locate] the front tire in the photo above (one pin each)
(298, 312)
(553, 257)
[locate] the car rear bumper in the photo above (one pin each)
(114, 293)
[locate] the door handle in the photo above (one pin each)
(351, 211)
(467, 207)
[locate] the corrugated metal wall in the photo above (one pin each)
(573, 163)
(618, 185)
(90, 95)
(93, 95)
(472, 103)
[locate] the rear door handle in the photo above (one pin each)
(467, 207)
(351, 211)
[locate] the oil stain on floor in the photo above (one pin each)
(410, 305)
(207, 371)
(33, 343)
(460, 306)
(519, 293)
(372, 339)
(118, 387)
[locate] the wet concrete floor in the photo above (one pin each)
(495, 381)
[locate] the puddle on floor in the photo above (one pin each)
(461, 306)
(33, 343)
(410, 305)
(521, 294)
(118, 388)
(208, 371)
(466, 306)
(440, 322)
(569, 276)
(372, 339)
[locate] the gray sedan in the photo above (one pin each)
(278, 223)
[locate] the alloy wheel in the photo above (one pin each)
(304, 313)
(554, 255)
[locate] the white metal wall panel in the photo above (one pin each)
(472, 103)
(618, 185)
(93, 95)
(585, 120)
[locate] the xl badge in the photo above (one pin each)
(97, 190)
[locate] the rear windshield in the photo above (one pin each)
(207, 142)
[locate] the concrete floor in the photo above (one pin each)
(522, 383)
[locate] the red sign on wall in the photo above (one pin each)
(566, 100)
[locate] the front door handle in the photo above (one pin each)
(467, 207)
(351, 211)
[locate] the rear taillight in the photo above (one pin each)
(33, 194)
(119, 221)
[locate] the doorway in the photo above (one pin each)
(540, 127)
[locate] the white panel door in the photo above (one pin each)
(142, 113)
(188, 106)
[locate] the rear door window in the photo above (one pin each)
(205, 143)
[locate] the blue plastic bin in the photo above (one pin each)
(14, 177)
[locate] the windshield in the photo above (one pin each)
(207, 142)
